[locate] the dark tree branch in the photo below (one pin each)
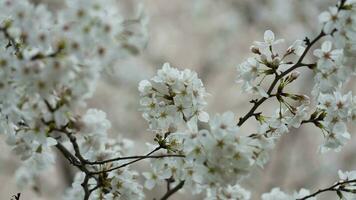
(128, 163)
(133, 157)
(173, 190)
(337, 187)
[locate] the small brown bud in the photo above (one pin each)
(295, 75)
(255, 50)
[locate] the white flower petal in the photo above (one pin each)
(268, 36)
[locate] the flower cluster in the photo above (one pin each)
(50, 63)
(330, 71)
(339, 22)
(172, 98)
(265, 62)
(336, 110)
(214, 157)
(222, 153)
(333, 69)
(95, 145)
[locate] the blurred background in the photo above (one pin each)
(211, 37)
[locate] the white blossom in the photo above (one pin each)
(269, 40)
(229, 193)
(173, 97)
(52, 62)
(276, 194)
(337, 108)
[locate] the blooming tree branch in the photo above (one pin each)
(278, 77)
(51, 69)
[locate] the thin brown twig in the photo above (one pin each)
(173, 190)
(133, 157)
(128, 163)
(334, 187)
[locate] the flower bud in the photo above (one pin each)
(305, 99)
(161, 104)
(276, 61)
(295, 74)
(292, 77)
(255, 50)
